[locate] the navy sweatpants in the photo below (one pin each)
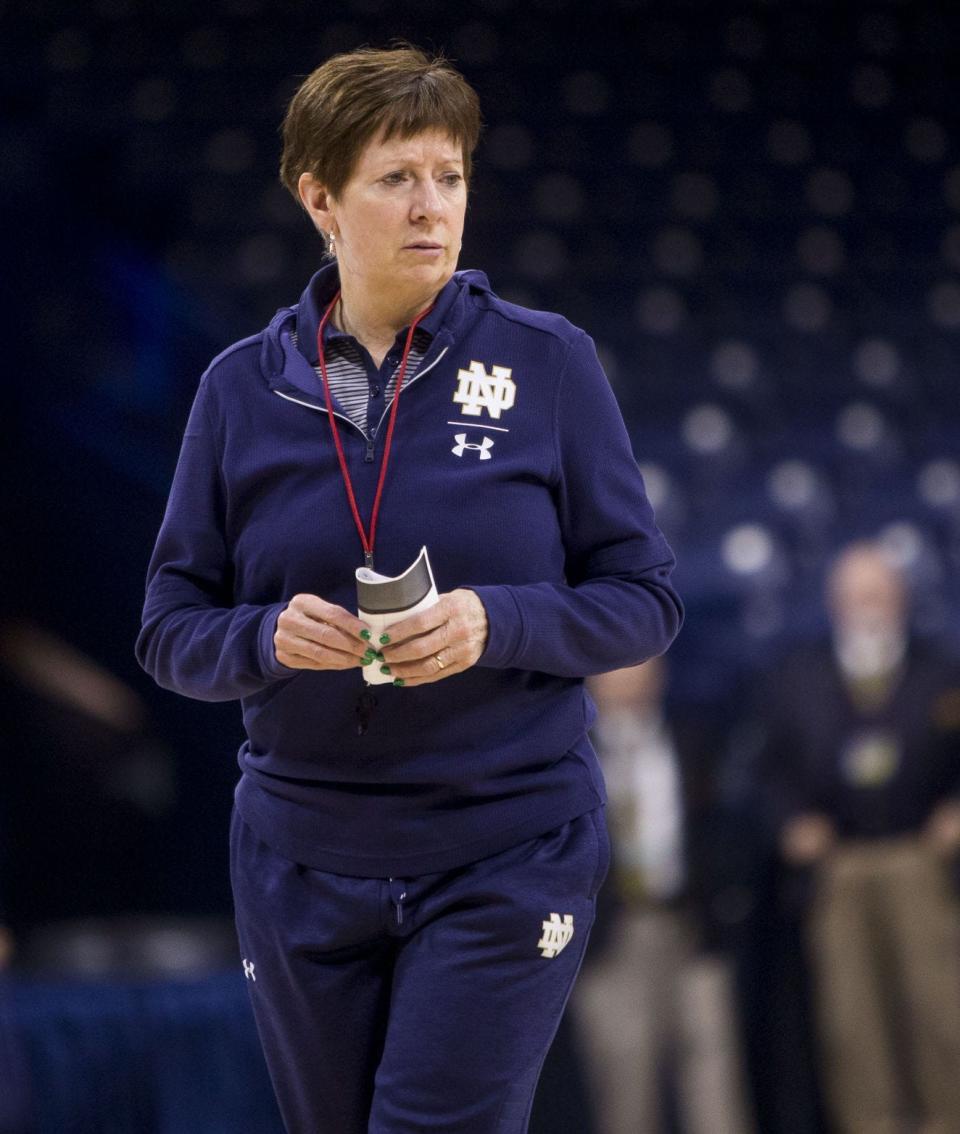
(388, 1006)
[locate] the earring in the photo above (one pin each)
(331, 243)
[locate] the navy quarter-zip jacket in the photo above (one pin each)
(540, 510)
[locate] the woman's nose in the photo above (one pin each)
(428, 202)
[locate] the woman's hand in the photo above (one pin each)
(313, 634)
(439, 642)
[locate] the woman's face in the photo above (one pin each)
(398, 222)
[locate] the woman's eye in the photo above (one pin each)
(451, 179)
(395, 178)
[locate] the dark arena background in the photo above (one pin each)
(754, 209)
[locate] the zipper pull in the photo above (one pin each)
(366, 703)
(368, 455)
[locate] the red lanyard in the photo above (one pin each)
(365, 540)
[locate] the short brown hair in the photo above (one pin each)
(397, 92)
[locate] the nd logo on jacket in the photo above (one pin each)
(478, 390)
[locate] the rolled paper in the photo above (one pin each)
(383, 601)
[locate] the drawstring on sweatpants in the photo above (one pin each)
(398, 892)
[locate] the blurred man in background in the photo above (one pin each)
(862, 774)
(655, 1003)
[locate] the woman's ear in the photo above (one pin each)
(316, 202)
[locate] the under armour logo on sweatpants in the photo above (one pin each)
(248, 970)
(556, 934)
(483, 447)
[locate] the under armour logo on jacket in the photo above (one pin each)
(483, 447)
(248, 970)
(480, 391)
(556, 934)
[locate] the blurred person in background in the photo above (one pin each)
(655, 1002)
(87, 746)
(414, 886)
(861, 771)
(15, 1116)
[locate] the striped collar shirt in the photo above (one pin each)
(362, 391)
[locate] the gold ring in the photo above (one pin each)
(436, 658)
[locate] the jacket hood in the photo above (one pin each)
(287, 368)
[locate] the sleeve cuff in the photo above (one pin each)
(504, 626)
(268, 657)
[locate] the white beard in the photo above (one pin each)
(866, 652)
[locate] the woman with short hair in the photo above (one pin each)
(414, 870)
